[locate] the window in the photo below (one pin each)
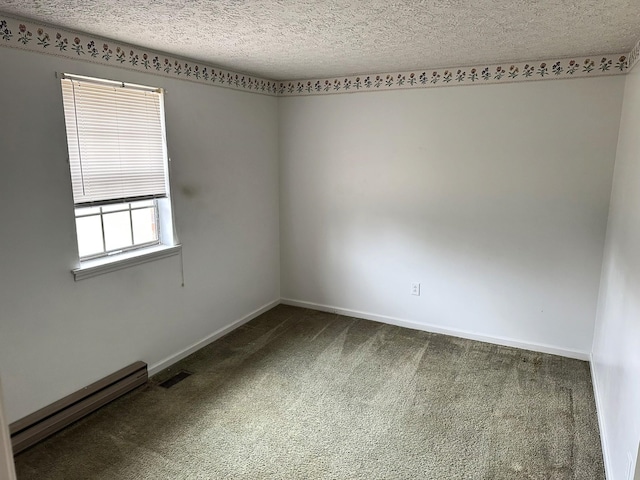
(119, 172)
(112, 229)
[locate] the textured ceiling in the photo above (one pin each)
(305, 38)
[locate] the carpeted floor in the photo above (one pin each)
(299, 394)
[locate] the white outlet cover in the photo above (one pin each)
(415, 289)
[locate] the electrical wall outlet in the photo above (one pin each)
(415, 289)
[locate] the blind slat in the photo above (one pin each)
(116, 141)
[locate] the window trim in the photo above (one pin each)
(99, 266)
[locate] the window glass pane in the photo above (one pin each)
(143, 203)
(80, 211)
(89, 231)
(144, 225)
(117, 230)
(115, 207)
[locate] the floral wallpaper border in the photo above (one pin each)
(634, 56)
(575, 67)
(26, 35)
(64, 43)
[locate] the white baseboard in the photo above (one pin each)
(167, 362)
(600, 415)
(508, 342)
(536, 347)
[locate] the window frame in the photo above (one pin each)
(167, 241)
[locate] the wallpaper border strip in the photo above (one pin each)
(27, 35)
(31, 36)
(634, 55)
(510, 72)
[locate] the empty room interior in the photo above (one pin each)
(320, 240)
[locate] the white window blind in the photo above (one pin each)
(116, 141)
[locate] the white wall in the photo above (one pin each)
(494, 198)
(616, 346)
(57, 335)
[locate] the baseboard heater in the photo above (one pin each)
(53, 418)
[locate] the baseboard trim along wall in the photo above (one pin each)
(427, 327)
(507, 342)
(167, 362)
(601, 422)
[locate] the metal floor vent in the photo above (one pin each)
(177, 378)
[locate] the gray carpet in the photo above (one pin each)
(299, 394)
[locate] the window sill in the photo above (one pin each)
(91, 268)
